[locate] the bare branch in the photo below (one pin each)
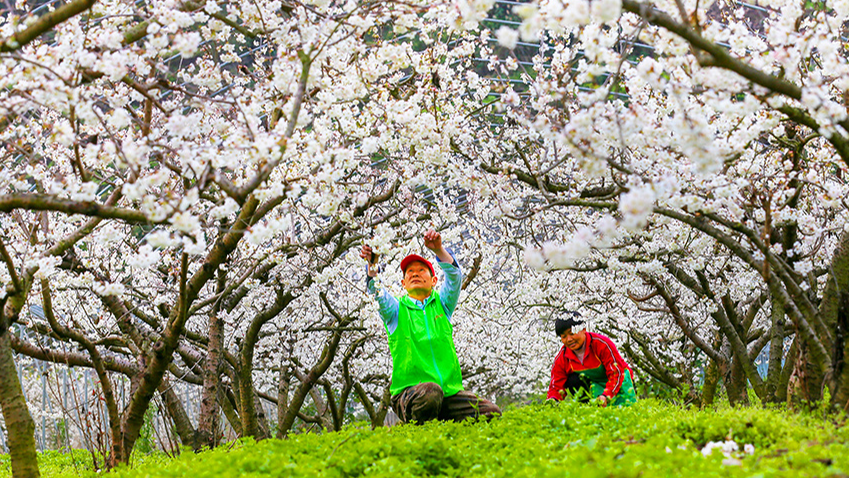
(43, 24)
(47, 202)
(16, 282)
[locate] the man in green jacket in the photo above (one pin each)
(426, 379)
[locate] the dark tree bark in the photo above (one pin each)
(734, 330)
(377, 415)
(114, 416)
(840, 400)
(263, 430)
(805, 385)
(735, 384)
(207, 432)
(776, 352)
(327, 355)
(283, 384)
(247, 405)
(227, 403)
(19, 424)
(208, 420)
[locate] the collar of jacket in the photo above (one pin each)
(569, 354)
(410, 303)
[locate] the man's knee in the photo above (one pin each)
(465, 404)
(420, 403)
(427, 402)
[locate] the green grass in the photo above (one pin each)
(652, 439)
(78, 463)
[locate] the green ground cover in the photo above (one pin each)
(652, 439)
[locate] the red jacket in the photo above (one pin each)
(601, 352)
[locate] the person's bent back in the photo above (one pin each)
(589, 365)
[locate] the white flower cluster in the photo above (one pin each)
(729, 448)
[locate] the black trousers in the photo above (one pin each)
(578, 387)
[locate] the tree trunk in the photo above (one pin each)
(735, 384)
(283, 394)
(247, 402)
(327, 356)
(776, 352)
(835, 308)
(383, 407)
(712, 376)
(262, 430)
(786, 372)
(736, 335)
(376, 415)
(19, 424)
(230, 411)
(178, 414)
(840, 397)
(807, 379)
(208, 420)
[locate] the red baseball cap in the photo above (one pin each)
(416, 258)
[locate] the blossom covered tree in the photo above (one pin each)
(708, 172)
(176, 173)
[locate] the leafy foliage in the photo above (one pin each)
(569, 439)
(54, 463)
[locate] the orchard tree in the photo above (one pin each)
(699, 152)
(165, 162)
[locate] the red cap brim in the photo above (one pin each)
(416, 258)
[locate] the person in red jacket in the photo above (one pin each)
(589, 364)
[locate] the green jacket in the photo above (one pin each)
(422, 347)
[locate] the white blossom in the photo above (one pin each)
(507, 37)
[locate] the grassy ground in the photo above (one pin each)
(651, 439)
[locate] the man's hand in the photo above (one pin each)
(602, 400)
(370, 257)
(433, 241)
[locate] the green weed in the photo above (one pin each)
(651, 439)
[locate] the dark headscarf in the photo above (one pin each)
(573, 319)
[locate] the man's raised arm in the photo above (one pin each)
(388, 305)
(449, 292)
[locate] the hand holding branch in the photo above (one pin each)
(433, 241)
(368, 254)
